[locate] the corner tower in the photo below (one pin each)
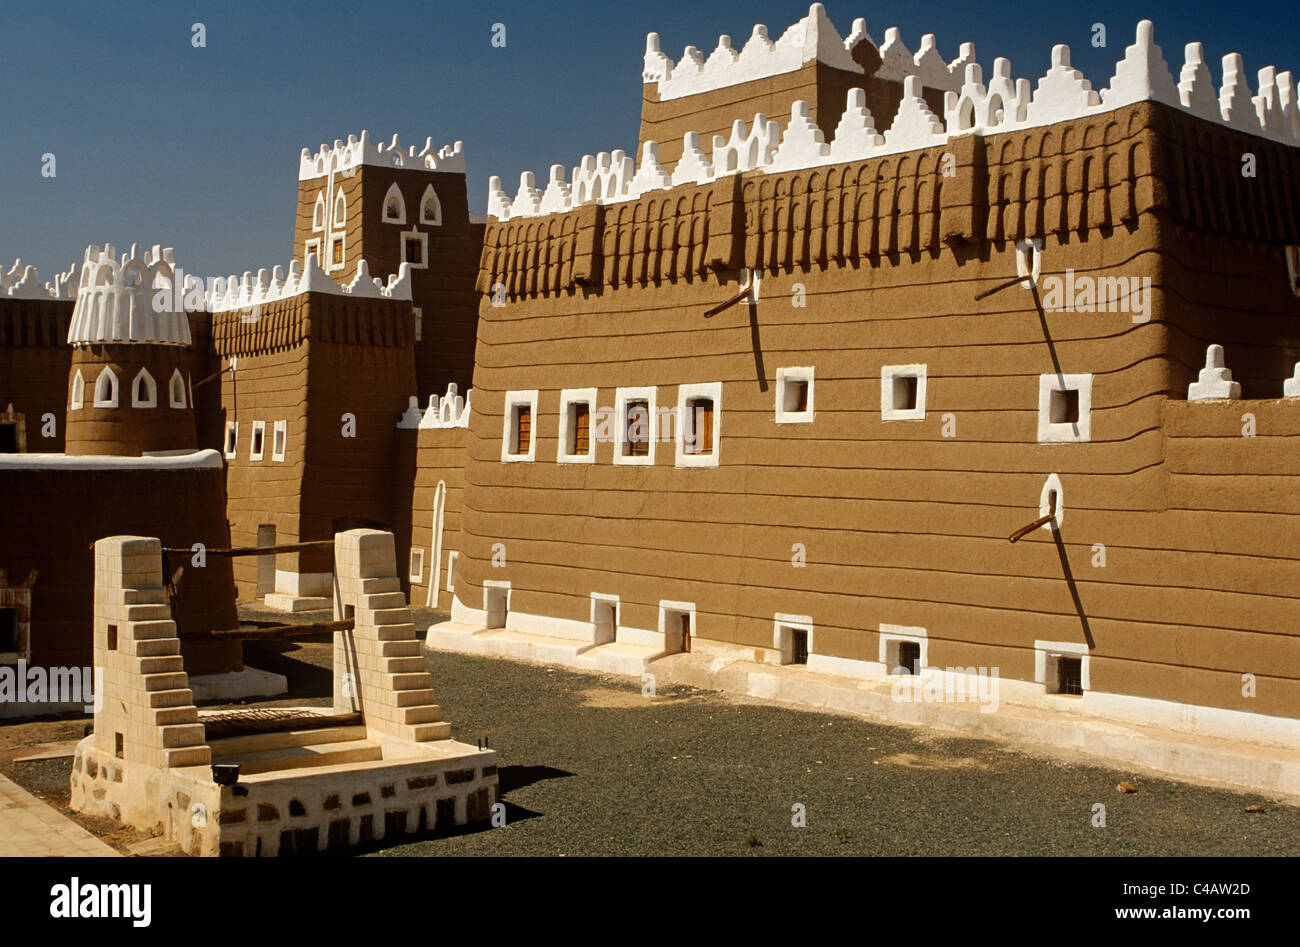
(391, 205)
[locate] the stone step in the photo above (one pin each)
(383, 601)
(283, 602)
(165, 716)
(119, 596)
(420, 713)
(169, 680)
(153, 629)
(183, 734)
(402, 665)
(187, 756)
(308, 756)
(422, 733)
(392, 616)
(408, 648)
(262, 742)
(413, 681)
(379, 586)
(148, 612)
(177, 697)
(155, 647)
(162, 663)
(401, 632)
(412, 698)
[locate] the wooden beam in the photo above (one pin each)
(286, 631)
(253, 550)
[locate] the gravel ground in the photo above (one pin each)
(589, 766)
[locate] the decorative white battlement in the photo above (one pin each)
(130, 300)
(814, 38)
(451, 410)
(1062, 94)
(1215, 380)
(23, 282)
(342, 156)
(233, 292)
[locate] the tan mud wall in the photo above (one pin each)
(901, 524)
(129, 430)
(34, 360)
(426, 458)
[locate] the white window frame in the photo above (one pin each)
(78, 392)
(310, 247)
(280, 435)
(400, 218)
(666, 606)
(497, 586)
(259, 427)
(151, 390)
(514, 398)
(424, 248)
(892, 635)
(571, 396)
(600, 598)
(436, 219)
(1064, 432)
(183, 401)
(340, 220)
(783, 377)
(113, 389)
(1045, 655)
(887, 375)
(231, 446)
(318, 214)
(685, 393)
(453, 559)
(621, 398)
(342, 264)
(416, 564)
(783, 640)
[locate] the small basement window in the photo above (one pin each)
(909, 657)
(1061, 667)
(902, 392)
(1069, 676)
(798, 646)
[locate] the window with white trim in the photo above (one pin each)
(232, 439)
(519, 433)
(312, 248)
(394, 211)
(106, 389)
(902, 392)
(430, 208)
(699, 424)
(279, 440)
(452, 559)
(318, 213)
(1062, 667)
(259, 441)
(338, 253)
(340, 209)
(144, 390)
(78, 391)
(903, 649)
(636, 421)
(417, 564)
(176, 390)
(1064, 409)
(577, 441)
(415, 249)
(794, 395)
(792, 636)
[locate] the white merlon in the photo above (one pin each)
(132, 300)
(451, 410)
(233, 293)
(1006, 104)
(812, 39)
(1215, 380)
(23, 282)
(345, 155)
(1291, 387)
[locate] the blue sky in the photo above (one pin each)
(159, 142)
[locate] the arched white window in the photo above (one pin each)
(78, 391)
(430, 208)
(340, 209)
(106, 389)
(394, 206)
(177, 389)
(144, 390)
(318, 215)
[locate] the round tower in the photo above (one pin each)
(129, 387)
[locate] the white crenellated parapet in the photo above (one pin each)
(344, 155)
(234, 293)
(1291, 387)
(1215, 380)
(897, 62)
(24, 282)
(451, 410)
(129, 300)
(970, 106)
(813, 38)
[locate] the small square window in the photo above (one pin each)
(909, 657)
(1061, 667)
(417, 564)
(903, 649)
(232, 438)
(336, 253)
(312, 248)
(259, 437)
(1069, 676)
(519, 440)
(902, 392)
(415, 249)
(1064, 408)
(794, 395)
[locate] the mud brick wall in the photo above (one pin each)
(34, 360)
(903, 525)
(181, 507)
(426, 458)
(128, 430)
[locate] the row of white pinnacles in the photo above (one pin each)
(1062, 94)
